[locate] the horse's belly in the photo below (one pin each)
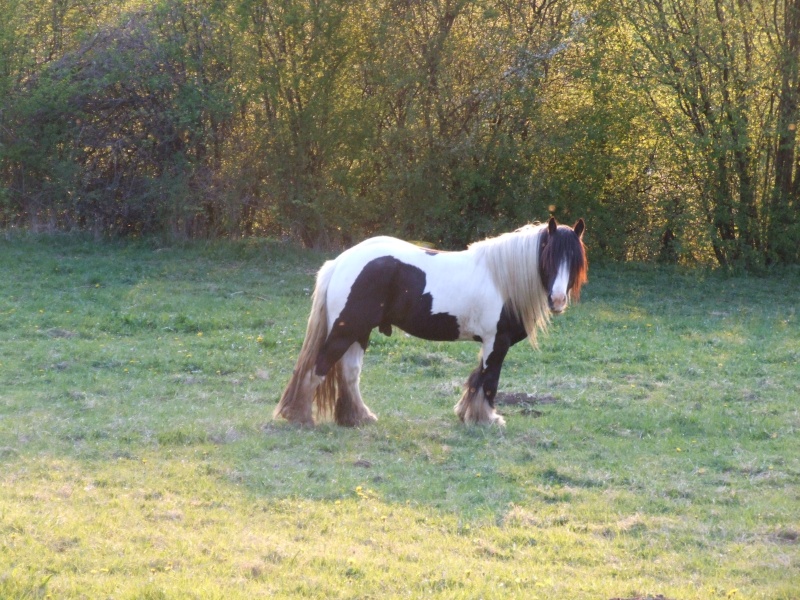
(439, 327)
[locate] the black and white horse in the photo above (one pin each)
(497, 292)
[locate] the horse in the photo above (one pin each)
(497, 292)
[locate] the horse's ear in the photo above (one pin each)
(552, 226)
(579, 228)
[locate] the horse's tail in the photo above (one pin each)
(295, 403)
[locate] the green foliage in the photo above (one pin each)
(712, 60)
(672, 129)
(125, 129)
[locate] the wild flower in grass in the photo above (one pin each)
(365, 493)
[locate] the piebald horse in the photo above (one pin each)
(497, 292)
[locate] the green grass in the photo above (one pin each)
(138, 458)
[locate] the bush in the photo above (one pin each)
(120, 136)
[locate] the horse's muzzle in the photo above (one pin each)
(557, 302)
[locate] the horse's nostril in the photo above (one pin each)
(558, 302)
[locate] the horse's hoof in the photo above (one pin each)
(497, 420)
(294, 419)
(359, 421)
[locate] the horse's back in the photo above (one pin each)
(386, 244)
(353, 260)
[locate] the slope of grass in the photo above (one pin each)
(139, 458)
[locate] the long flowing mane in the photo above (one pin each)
(513, 260)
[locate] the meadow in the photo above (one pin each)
(655, 452)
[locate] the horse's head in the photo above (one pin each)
(562, 263)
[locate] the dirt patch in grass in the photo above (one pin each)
(787, 536)
(525, 402)
(516, 398)
(58, 332)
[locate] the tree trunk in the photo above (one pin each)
(782, 237)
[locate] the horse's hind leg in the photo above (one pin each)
(350, 410)
(298, 398)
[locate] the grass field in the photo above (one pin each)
(139, 460)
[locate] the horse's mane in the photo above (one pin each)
(513, 260)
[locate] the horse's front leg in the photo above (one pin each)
(477, 403)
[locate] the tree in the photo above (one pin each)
(301, 113)
(670, 124)
(119, 135)
(711, 58)
(784, 224)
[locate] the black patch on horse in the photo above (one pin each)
(390, 292)
(510, 324)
